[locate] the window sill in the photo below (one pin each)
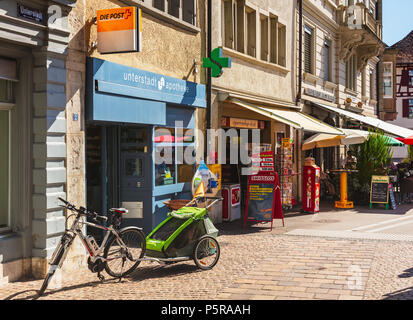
(329, 85)
(351, 92)
(311, 77)
(245, 57)
(163, 16)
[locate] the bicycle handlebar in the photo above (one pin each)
(82, 210)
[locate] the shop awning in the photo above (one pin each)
(373, 122)
(352, 136)
(293, 118)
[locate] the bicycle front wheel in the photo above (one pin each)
(123, 256)
(54, 264)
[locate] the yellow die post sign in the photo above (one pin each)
(119, 30)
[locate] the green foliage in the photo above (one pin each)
(410, 153)
(373, 158)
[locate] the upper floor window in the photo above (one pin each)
(351, 73)
(181, 9)
(273, 40)
(372, 84)
(308, 49)
(233, 24)
(327, 60)
(387, 80)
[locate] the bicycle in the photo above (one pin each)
(127, 245)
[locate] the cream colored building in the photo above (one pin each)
(258, 36)
(341, 45)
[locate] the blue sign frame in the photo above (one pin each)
(119, 93)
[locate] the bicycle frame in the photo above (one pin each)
(93, 253)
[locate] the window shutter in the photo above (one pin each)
(406, 108)
(405, 78)
(307, 50)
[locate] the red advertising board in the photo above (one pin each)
(263, 202)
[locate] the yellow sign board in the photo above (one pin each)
(119, 30)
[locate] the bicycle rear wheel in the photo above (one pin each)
(206, 252)
(123, 259)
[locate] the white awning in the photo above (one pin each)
(292, 118)
(373, 122)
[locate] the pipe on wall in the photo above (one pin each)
(300, 50)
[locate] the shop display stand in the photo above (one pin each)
(284, 163)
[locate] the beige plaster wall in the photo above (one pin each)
(249, 75)
(166, 48)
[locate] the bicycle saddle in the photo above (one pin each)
(119, 210)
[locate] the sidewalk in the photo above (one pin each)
(257, 264)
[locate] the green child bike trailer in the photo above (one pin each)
(187, 233)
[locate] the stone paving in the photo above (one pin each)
(257, 264)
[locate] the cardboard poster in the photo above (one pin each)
(263, 199)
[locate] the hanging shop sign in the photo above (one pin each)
(263, 202)
(216, 62)
(119, 30)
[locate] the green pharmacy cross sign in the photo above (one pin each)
(216, 62)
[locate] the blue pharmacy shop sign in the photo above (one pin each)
(139, 125)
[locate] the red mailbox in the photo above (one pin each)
(311, 189)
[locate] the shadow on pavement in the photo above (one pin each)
(407, 273)
(158, 271)
(403, 294)
(34, 296)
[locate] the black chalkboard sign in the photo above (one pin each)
(392, 199)
(379, 192)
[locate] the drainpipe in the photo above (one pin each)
(378, 93)
(300, 51)
(209, 75)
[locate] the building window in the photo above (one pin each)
(372, 85)
(233, 15)
(411, 78)
(308, 49)
(282, 44)
(174, 155)
(180, 9)
(408, 108)
(327, 60)
(264, 38)
(174, 8)
(351, 74)
(387, 80)
(6, 101)
(251, 27)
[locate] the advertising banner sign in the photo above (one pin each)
(263, 199)
(119, 30)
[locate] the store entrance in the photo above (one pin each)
(135, 173)
(119, 171)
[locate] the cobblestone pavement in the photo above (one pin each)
(257, 264)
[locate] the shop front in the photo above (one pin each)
(280, 130)
(140, 140)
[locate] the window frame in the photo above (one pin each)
(175, 186)
(309, 30)
(351, 73)
(8, 107)
(165, 8)
(327, 46)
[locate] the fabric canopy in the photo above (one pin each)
(352, 136)
(373, 122)
(408, 140)
(290, 117)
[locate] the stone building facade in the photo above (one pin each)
(36, 72)
(341, 48)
